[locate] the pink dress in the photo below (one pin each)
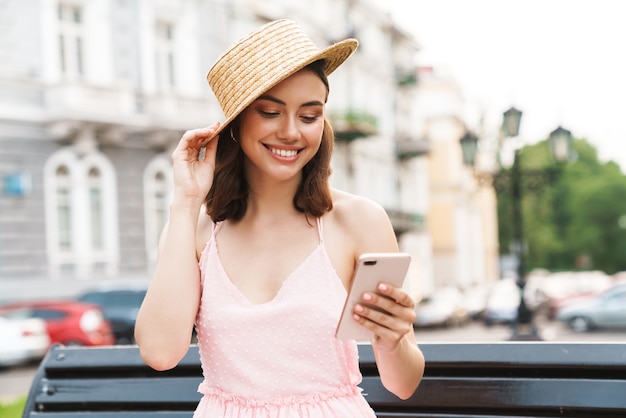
(277, 359)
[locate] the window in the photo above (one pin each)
(95, 209)
(164, 56)
(160, 202)
(49, 314)
(64, 208)
(71, 40)
(81, 214)
(158, 185)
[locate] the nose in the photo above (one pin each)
(289, 129)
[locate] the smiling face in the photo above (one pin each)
(281, 131)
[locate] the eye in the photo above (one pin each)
(268, 114)
(309, 119)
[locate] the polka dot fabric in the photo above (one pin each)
(281, 358)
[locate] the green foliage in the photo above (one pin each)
(13, 409)
(570, 212)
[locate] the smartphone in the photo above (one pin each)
(371, 270)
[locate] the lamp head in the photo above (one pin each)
(561, 144)
(469, 146)
(511, 122)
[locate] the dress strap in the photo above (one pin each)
(216, 228)
(320, 229)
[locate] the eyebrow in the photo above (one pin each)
(280, 102)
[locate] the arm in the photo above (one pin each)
(399, 360)
(166, 317)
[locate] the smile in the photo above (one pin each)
(283, 152)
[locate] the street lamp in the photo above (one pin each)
(512, 119)
(561, 144)
(469, 147)
(560, 147)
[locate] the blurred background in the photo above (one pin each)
(490, 130)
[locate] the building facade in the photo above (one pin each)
(95, 94)
(462, 214)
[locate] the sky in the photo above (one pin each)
(562, 62)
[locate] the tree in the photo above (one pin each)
(571, 212)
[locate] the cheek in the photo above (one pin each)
(314, 133)
(315, 144)
(252, 129)
(248, 122)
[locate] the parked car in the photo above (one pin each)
(554, 304)
(67, 322)
(475, 300)
(443, 307)
(557, 289)
(22, 341)
(606, 310)
(502, 303)
(120, 307)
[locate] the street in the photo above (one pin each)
(548, 331)
(16, 381)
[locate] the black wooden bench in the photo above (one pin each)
(512, 379)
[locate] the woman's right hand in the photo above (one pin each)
(193, 177)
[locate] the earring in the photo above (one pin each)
(232, 136)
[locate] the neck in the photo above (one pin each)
(272, 200)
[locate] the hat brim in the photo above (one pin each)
(333, 56)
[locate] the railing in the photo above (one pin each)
(352, 124)
(406, 221)
(410, 148)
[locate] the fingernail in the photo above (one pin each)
(382, 287)
(367, 296)
(358, 308)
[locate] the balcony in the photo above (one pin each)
(406, 221)
(79, 101)
(353, 124)
(406, 78)
(125, 107)
(411, 147)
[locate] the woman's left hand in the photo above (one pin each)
(390, 314)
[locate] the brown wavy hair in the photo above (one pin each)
(228, 197)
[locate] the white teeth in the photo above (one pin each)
(284, 153)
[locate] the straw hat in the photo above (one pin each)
(263, 59)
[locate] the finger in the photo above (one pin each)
(211, 135)
(210, 148)
(374, 315)
(394, 302)
(196, 138)
(383, 325)
(397, 294)
(404, 310)
(388, 313)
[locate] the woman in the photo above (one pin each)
(259, 251)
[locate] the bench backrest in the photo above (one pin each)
(461, 380)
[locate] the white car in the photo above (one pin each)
(443, 307)
(22, 340)
(502, 303)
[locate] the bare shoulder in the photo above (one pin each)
(364, 220)
(356, 208)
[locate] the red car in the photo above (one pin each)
(67, 322)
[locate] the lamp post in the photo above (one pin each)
(560, 147)
(510, 129)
